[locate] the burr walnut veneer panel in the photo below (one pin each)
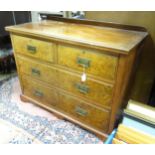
(80, 70)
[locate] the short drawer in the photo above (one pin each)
(37, 70)
(83, 112)
(97, 91)
(95, 63)
(34, 48)
(39, 92)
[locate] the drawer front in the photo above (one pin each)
(37, 70)
(83, 112)
(96, 91)
(34, 48)
(97, 64)
(39, 92)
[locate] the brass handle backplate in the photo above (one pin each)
(83, 62)
(82, 88)
(35, 71)
(81, 111)
(38, 93)
(31, 49)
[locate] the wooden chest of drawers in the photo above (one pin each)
(53, 56)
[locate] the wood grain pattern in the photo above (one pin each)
(66, 103)
(51, 77)
(99, 133)
(112, 38)
(34, 48)
(120, 96)
(82, 111)
(38, 70)
(39, 92)
(101, 65)
(15, 56)
(97, 22)
(145, 74)
(98, 92)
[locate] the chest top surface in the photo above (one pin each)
(100, 36)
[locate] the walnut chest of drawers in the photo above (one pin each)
(52, 56)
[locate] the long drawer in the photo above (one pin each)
(83, 112)
(39, 92)
(78, 109)
(37, 70)
(34, 48)
(97, 64)
(97, 91)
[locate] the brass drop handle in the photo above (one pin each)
(31, 49)
(83, 62)
(81, 87)
(81, 111)
(38, 93)
(35, 72)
